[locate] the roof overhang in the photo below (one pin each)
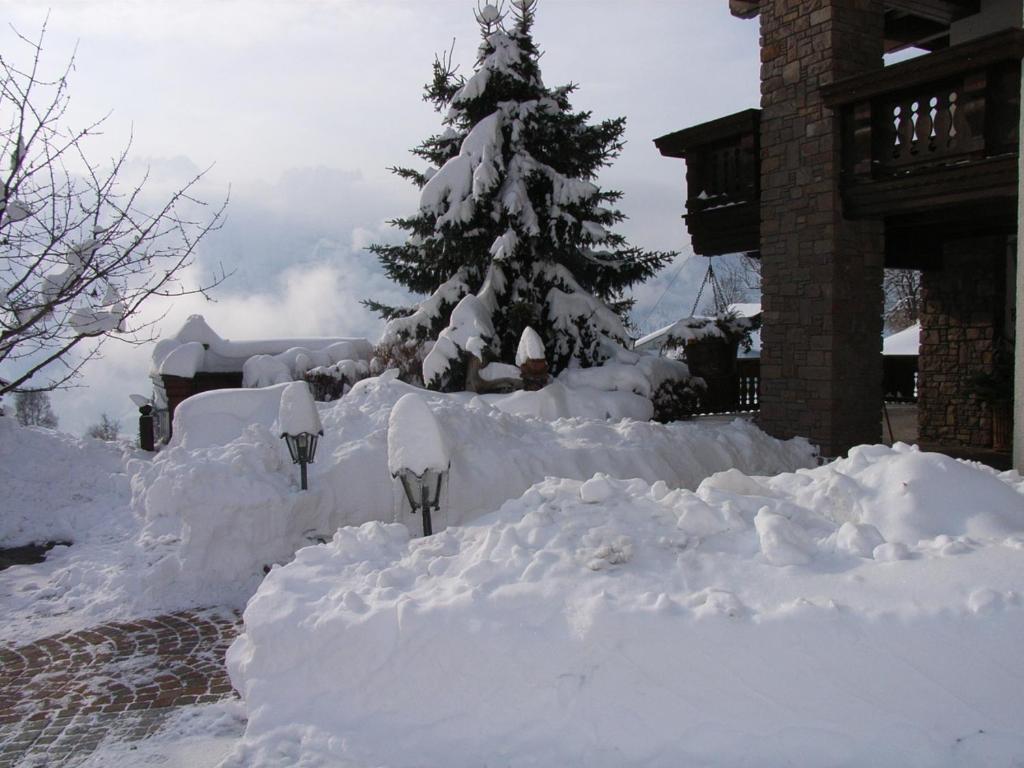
(942, 11)
(921, 23)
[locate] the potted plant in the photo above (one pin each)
(709, 346)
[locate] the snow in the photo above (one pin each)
(297, 412)
(17, 211)
(531, 346)
(217, 417)
(184, 360)
(219, 503)
(744, 309)
(220, 355)
(905, 342)
(428, 310)
(469, 330)
(490, 14)
(62, 488)
(504, 56)
(90, 472)
(611, 622)
(198, 736)
(415, 442)
(498, 371)
(452, 191)
(706, 611)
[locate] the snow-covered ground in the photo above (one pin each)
(868, 612)
(605, 592)
(57, 487)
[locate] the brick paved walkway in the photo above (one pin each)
(62, 696)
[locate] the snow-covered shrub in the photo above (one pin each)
(403, 355)
(677, 399)
(329, 382)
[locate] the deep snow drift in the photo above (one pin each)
(220, 502)
(57, 487)
(867, 612)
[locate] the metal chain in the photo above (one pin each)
(716, 291)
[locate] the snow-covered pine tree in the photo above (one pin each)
(511, 229)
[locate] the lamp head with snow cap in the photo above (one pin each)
(300, 425)
(417, 455)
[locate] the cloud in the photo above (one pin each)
(297, 248)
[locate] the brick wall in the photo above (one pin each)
(961, 320)
(821, 275)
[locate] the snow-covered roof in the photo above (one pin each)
(197, 348)
(905, 342)
(745, 309)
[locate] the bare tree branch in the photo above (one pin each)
(81, 251)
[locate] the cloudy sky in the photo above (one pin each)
(300, 106)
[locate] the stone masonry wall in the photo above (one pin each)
(821, 275)
(962, 312)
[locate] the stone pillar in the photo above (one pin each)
(821, 364)
(963, 309)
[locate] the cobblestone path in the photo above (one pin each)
(62, 696)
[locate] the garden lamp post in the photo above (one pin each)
(147, 431)
(302, 448)
(300, 425)
(423, 492)
(417, 455)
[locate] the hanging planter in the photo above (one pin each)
(709, 346)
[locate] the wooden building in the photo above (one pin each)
(850, 166)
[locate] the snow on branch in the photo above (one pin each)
(81, 251)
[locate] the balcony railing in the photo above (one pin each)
(938, 130)
(722, 181)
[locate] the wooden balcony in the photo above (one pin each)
(934, 139)
(722, 182)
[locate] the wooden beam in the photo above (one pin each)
(677, 144)
(744, 9)
(1001, 46)
(903, 31)
(941, 11)
(991, 182)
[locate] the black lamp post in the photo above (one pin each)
(423, 492)
(147, 430)
(302, 448)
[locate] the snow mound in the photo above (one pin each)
(414, 438)
(220, 502)
(297, 413)
(57, 487)
(41, 504)
(591, 624)
(908, 495)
